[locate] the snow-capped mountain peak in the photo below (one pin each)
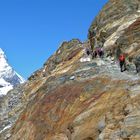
(8, 77)
(1, 51)
(3, 60)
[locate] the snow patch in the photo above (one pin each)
(85, 59)
(4, 87)
(5, 128)
(22, 80)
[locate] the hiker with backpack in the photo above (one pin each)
(88, 52)
(137, 63)
(122, 62)
(98, 52)
(101, 52)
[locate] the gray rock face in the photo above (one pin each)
(118, 23)
(10, 103)
(112, 12)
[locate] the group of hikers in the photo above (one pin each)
(98, 52)
(96, 44)
(97, 41)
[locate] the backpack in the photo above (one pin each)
(122, 58)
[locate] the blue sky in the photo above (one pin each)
(32, 30)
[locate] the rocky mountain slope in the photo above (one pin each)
(76, 98)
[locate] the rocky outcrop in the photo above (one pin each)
(120, 20)
(65, 53)
(75, 98)
(113, 12)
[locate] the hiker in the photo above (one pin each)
(137, 64)
(95, 53)
(88, 51)
(122, 62)
(100, 52)
(109, 53)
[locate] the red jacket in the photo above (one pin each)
(121, 58)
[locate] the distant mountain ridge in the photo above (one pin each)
(9, 78)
